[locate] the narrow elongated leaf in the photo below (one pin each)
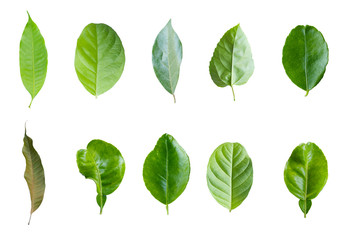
(232, 63)
(33, 59)
(229, 175)
(34, 174)
(306, 173)
(99, 58)
(166, 170)
(166, 58)
(305, 56)
(104, 164)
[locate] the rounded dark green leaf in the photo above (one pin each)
(306, 173)
(33, 59)
(166, 58)
(99, 58)
(305, 56)
(166, 170)
(104, 164)
(232, 63)
(229, 175)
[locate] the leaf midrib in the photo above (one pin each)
(306, 179)
(31, 169)
(231, 176)
(305, 62)
(167, 173)
(97, 59)
(169, 54)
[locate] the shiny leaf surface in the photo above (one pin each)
(104, 164)
(232, 63)
(99, 58)
(166, 170)
(33, 59)
(166, 58)
(34, 174)
(229, 175)
(306, 173)
(305, 56)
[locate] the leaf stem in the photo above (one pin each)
(307, 93)
(167, 209)
(232, 89)
(31, 102)
(101, 208)
(29, 219)
(174, 98)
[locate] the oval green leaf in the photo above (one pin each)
(305, 56)
(34, 174)
(104, 164)
(306, 173)
(166, 170)
(166, 58)
(99, 58)
(232, 63)
(33, 59)
(229, 175)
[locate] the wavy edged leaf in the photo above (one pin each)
(33, 59)
(229, 175)
(99, 58)
(34, 174)
(306, 173)
(232, 63)
(104, 164)
(166, 170)
(305, 56)
(166, 58)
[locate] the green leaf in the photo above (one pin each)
(166, 170)
(305, 56)
(33, 59)
(99, 58)
(166, 58)
(104, 164)
(229, 175)
(232, 63)
(306, 173)
(34, 174)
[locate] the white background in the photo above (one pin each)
(270, 118)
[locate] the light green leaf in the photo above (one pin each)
(166, 170)
(34, 174)
(33, 59)
(99, 58)
(305, 56)
(232, 63)
(166, 58)
(306, 173)
(229, 175)
(104, 164)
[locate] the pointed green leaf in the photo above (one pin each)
(306, 173)
(166, 170)
(232, 63)
(99, 58)
(229, 175)
(305, 56)
(34, 174)
(104, 164)
(166, 58)
(33, 59)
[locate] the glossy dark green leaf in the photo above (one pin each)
(232, 63)
(34, 174)
(33, 59)
(166, 170)
(306, 173)
(305, 56)
(104, 164)
(99, 58)
(229, 175)
(166, 58)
